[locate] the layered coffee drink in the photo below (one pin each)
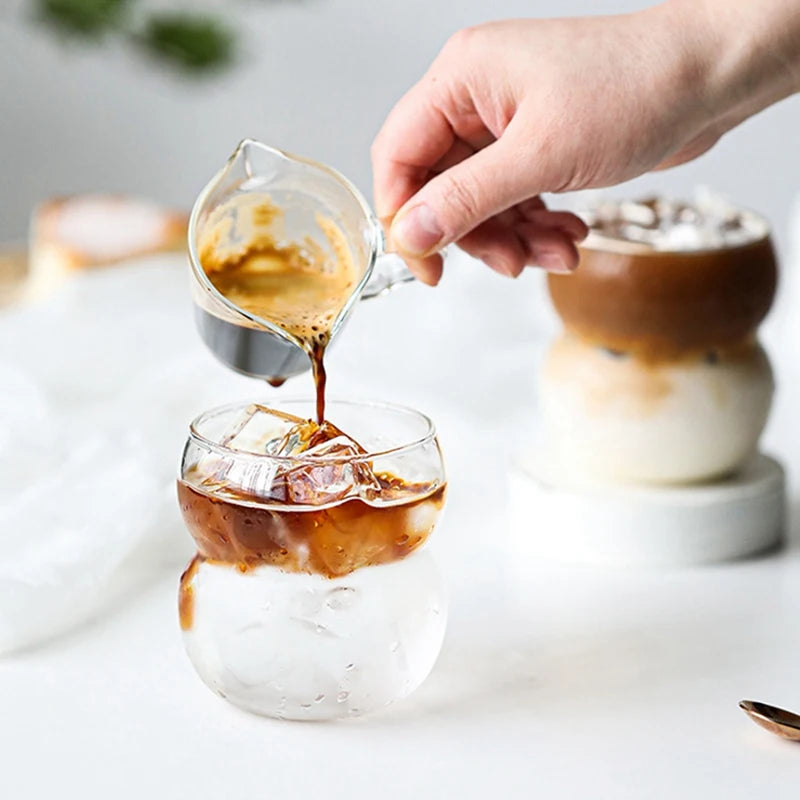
(324, 510)
(658, 376)
(311, 595)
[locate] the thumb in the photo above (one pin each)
(459, 199)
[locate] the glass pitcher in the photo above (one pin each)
(304, 190)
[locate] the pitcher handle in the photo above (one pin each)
(389, 272)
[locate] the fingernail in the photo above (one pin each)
(552, 262)
(581, 234)
(498, 265)
(417, 231)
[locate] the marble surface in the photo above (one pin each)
(554, 681)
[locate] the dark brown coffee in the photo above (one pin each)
(334, 540)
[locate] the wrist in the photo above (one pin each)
(741, 57)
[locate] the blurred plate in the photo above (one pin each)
(13, 273)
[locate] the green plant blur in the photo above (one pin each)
(193, 42)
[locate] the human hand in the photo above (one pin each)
(509, 110)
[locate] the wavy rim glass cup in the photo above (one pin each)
(324, 608)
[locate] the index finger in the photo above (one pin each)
(414, 137)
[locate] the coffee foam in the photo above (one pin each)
(667, 225)
(299, 286)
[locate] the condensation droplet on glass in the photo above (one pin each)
(305, 706)
(350, 666)
(340, 598)
(342, 696)
(319, 698)
(395, 646)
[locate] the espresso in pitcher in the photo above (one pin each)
(299, 286)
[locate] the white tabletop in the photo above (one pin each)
(554, 681)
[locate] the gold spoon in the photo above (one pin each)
(785, 724)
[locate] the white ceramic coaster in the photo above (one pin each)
(555, 517)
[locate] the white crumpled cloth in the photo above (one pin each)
(97, 386)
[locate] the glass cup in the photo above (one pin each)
(312, 595)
